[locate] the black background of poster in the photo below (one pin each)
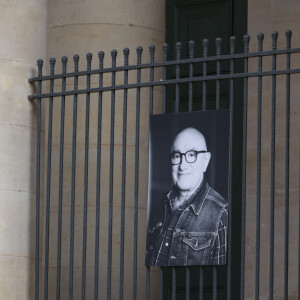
(214, 125)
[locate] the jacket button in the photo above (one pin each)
(178, 230)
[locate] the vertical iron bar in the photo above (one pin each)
(177, 96)
(126, 56)
(271, 285)
(165, 52)
(177, 91)
(218, 53)
(232, 48)
(173, 283)
(191, 71)
(64, 61)
(205, 50)
(86, 170)
(97, 230)
(187, 283)
(139, 51)
(152, 51)
(191, 74)
(161, 278)
(148, 283)
(46, 273)
(38, 184)
(288, 35)
(260, 38)
(111, 175)
(215, 282)
(201, 276)
(218, 45)
(288, 108)
(245, 99)
(299, 241)
(72, 219)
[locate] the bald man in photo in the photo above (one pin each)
(190, 228)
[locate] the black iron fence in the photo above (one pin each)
(83, 199)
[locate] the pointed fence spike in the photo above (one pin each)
(191, 48)
(218, 44)
(89, 57)
(232, 44)
(288, 35)
(52, 65)
(101, 58)
(205, 47)
(40, 64)
(76, 61)
(126, 56)
(152, 51)
(274, 40)
(178, 50)
(114, 54)
(64, 61)
(139, 51)
(165, 47)
(260, 38)
(246, 43)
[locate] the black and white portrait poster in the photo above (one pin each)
(187, 217)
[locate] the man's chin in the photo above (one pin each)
(184, 187)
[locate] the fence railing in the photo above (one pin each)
(92, 209)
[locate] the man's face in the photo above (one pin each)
(187, 176)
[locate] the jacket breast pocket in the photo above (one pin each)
(198, 242)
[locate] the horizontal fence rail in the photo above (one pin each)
(166, 63)
(163, 82)
(92, 128)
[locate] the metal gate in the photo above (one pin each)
(91, 188)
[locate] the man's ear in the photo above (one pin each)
(207, 157)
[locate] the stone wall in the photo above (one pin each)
(23, 39)
(37, 29)
(268, 16)
(79, 27)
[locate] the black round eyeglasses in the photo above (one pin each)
(190, 156)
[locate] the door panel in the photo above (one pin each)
(196, 20)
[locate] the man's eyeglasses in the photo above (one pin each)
(190, 156)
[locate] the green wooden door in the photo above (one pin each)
(197, 20)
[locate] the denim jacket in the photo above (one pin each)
(193, 238)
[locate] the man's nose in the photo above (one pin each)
(184, 164)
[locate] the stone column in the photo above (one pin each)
(267, 16)
(90, 26)
(23, 40)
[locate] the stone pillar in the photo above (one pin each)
(23, 40)
(79, 27)
(267, 16)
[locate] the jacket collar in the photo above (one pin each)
(199, 197)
